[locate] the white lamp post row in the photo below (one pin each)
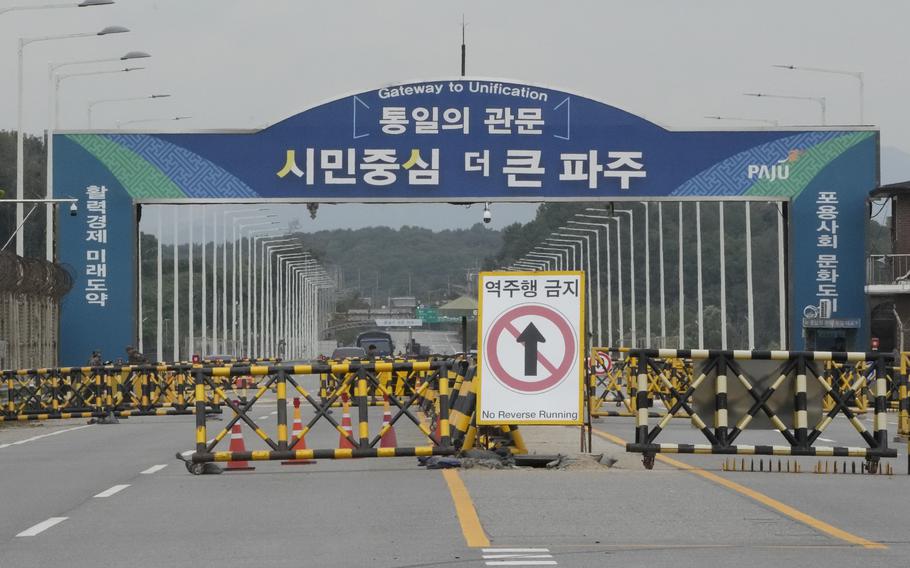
(54, 82)
(569, 248)
(280, 297)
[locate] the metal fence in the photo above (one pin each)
(888, 269)
(30, 292)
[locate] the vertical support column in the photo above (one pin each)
(903, 402)
(881, 403)
(801, 422)
(282, 411)
(363, 417)
(201, 435)
(445, 439)
(681, 297)
(721, 422)
(641, 400)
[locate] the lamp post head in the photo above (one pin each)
(113, 30)
(159, 96)
(90, 3)
(135, 55)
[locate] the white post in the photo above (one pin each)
(647, 275)
(660, 241)
(215, 281)
(205, 308)
(609, 287)
(701, 313)
(159, 340)
(781, 275)
(622, 328)
(750, 304)
(224, 283)
(53, 86)
(20, 157)
(723, 277)
(176, 327)
(234, 288)
(682, 295)
(191, 251)
(141, 317)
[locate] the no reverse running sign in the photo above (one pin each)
(530, 345)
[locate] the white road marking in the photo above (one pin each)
(263, 418)
(42, 526)
(33, 438)
(113, 490)
(273, 412)
(154, 469)
(187, 453)
(517, 557)
(828, 440)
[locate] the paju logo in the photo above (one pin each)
(780, 170)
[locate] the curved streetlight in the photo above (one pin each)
(746, 119)
(85, 4)
(20, 135)
(821, 101)
(165, 119)
(93, 104)
(53, 126)
(858, 75)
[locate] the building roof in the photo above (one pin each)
(460, 303)
(890, 190)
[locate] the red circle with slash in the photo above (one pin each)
(505, 324)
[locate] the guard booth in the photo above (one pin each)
(888, 273)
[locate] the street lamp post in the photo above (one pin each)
(92, 104)
(85, 4)
(822, 101)
(606, 228)
(53, 126)
(596, 270)
(858, 75)
(587, 269)
(20, 135)
(746, 119)
(137, 121)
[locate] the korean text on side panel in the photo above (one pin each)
(96, 254)
(826, 261)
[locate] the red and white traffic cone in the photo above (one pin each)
(389, 439)
(237, 446)
(343, 442)
(295, 431)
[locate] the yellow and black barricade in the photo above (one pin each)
(795, 369)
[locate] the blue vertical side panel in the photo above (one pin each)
(852, 175)
(84, 326)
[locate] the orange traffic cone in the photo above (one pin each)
(295, 431)
(237, 446)
(389, 439)
(343, 442)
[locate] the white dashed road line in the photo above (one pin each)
(33, 438)
(518, 557)
(154, 469)
(828, 440)
(42, 526)
(113, 490)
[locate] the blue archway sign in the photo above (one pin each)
(457, 141)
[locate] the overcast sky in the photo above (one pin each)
(246, 64)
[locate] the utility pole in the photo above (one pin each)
(463, 48)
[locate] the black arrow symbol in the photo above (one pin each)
(530, 337)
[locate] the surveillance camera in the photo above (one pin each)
(487, 215)
(73, 210)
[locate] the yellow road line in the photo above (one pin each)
(464, 507)
(770, 502)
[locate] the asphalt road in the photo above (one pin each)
(389, 512)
